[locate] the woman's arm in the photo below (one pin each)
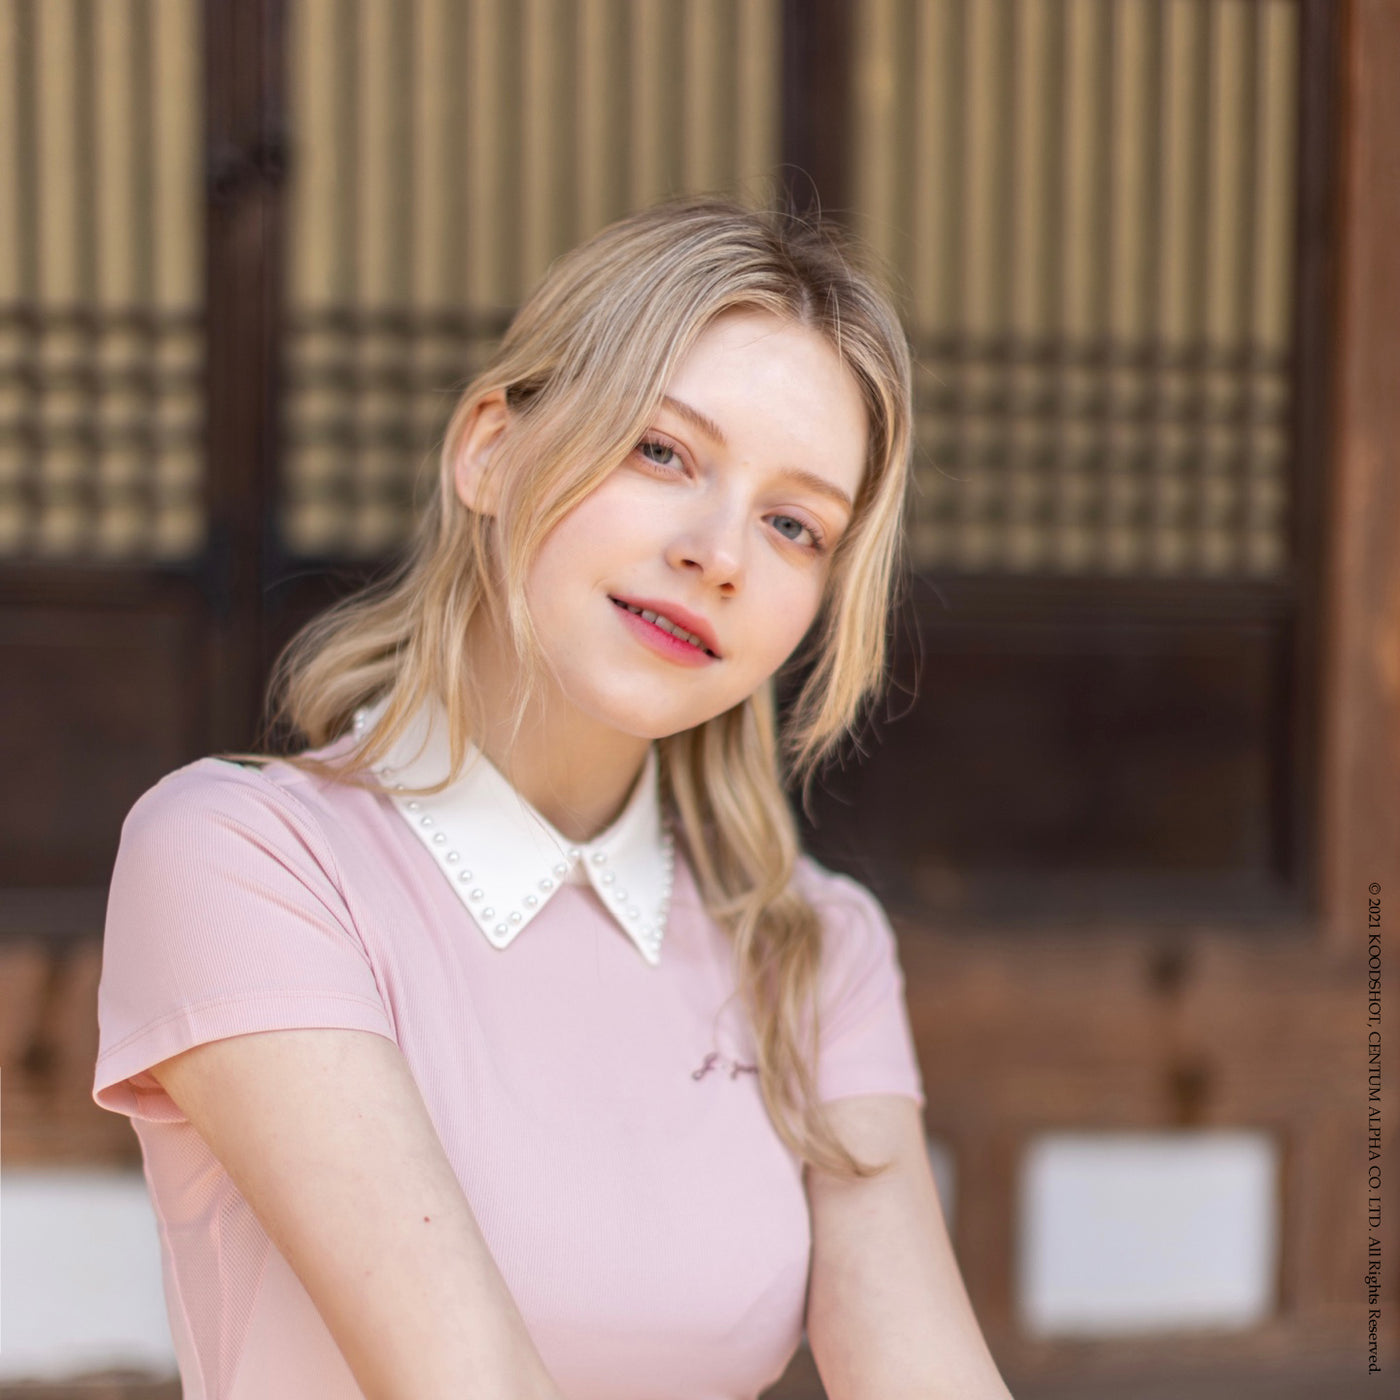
(327, 1137)
(888, 1317)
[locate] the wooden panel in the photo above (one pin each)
(1147, 1031)
(1073, 756)
(48, 1045)
(103, 1385)
(101, 697)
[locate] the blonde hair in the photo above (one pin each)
(583, 367)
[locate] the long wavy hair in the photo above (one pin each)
(583, 366)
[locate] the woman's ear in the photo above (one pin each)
(480, 438)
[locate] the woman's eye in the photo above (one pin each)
(662, 448)
(797, 534)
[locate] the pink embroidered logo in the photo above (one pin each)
(714, 1058)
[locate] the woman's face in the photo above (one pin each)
(723, 519)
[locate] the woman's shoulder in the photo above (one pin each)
(207, 784)
(867, 1045)
(216, 792)
(238, 827)
(859, 945)
(201, 783)
(834, 892)
(208, 804)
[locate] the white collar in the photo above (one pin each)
(505, 860)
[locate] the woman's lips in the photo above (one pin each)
(678, 615)
(661, 641)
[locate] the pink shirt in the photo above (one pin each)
(585, 1067)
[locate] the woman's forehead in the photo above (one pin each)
(774, 385)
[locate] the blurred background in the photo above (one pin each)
(1141, 759)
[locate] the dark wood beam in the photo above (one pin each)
(244, 62)
(816, 106)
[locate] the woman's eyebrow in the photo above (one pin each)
(702, 421)
(707, 425)
(819, 484)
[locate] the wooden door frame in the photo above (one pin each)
(1140, 1028)
(247, 151)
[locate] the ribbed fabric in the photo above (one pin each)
(600, 1112)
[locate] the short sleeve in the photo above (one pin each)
(866, 1044)
(225, 916)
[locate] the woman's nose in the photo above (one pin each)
(713, 542)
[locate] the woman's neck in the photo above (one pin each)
(574, 771)
(577, 782)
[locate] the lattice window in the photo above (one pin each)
(101, 281)
(1090, 206)
(445, 152)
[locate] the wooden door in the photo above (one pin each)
(1116, 803)
(1139, 767)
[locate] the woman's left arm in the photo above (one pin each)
(888, 1317)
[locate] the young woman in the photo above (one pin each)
(503, 1043)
